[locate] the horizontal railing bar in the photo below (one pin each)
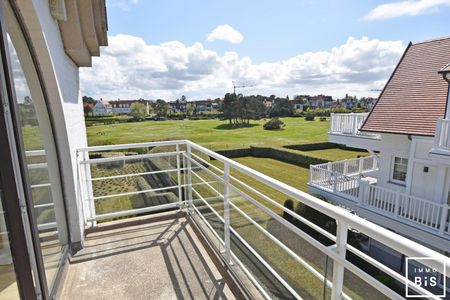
(290, 212)
(134, 193)
(46, 226)
(31, 153)
(284, 247)
(41, 185)
(235, 258)
(131, 146)
(265, 263)
(382, 267)
(289, 225)
(207, 184)
(37, 166)
(395, 241)
(208, 205)
(206, 162)
(136, 211)
(204, 168)
(136, 174)
(43, 205)
(143, 192)
(313, 242)
(129, 157)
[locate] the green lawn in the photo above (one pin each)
(213, 134)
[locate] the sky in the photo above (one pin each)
(197, 48)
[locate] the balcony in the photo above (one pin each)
(345, 129)
(199, 225)
(350, 180)
(441, 144)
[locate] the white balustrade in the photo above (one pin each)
(349, 124)
(205, 184)
(342, 178)
(442, 136)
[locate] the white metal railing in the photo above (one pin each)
(345, 178)
(349, 124)
(351, 166)
(209, 187)
(40, 186)
(442, 136)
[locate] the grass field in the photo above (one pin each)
(213, 134)
(216, 135)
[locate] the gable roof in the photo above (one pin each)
(416, 94)
(445, 69)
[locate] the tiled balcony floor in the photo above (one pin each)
(145, 258)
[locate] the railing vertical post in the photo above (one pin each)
(189, 174)
(397, 204)
(338, 267)
(332, 123)
(89, 189)
(360, 165)
(443, 222)
(180, 196)
(353, 123)
(345, 171)
(437, 137)
(362, 190)
(226, 211)
(335, 175)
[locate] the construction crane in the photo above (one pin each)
(240, 86)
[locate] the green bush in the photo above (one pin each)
(274, 124)
(309, 116)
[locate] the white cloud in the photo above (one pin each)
(130, 68)
(124, 5)
(225, 33)
(405, 8)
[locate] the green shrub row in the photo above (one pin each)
(278, 154)
(319, 146)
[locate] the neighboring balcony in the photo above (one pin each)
(441, 144)
(199, 225)
(351, 182)
(345, 129)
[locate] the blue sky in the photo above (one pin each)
(278, 46)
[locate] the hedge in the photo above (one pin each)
(319, 146)
(278, 154)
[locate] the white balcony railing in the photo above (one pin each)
(217, 192)
(346, 178)
(349, 124)
(442, 136)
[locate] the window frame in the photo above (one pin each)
(393, 171)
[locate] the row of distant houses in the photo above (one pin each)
(301, 102)
(123, 107)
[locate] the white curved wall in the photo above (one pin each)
(61, 83)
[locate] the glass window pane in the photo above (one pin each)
(8, 284)
(37, 140)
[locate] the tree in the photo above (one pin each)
(229, 107)
(282, 108)
(161, 108)
(138, 110)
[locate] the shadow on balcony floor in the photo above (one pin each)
(146, 258)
